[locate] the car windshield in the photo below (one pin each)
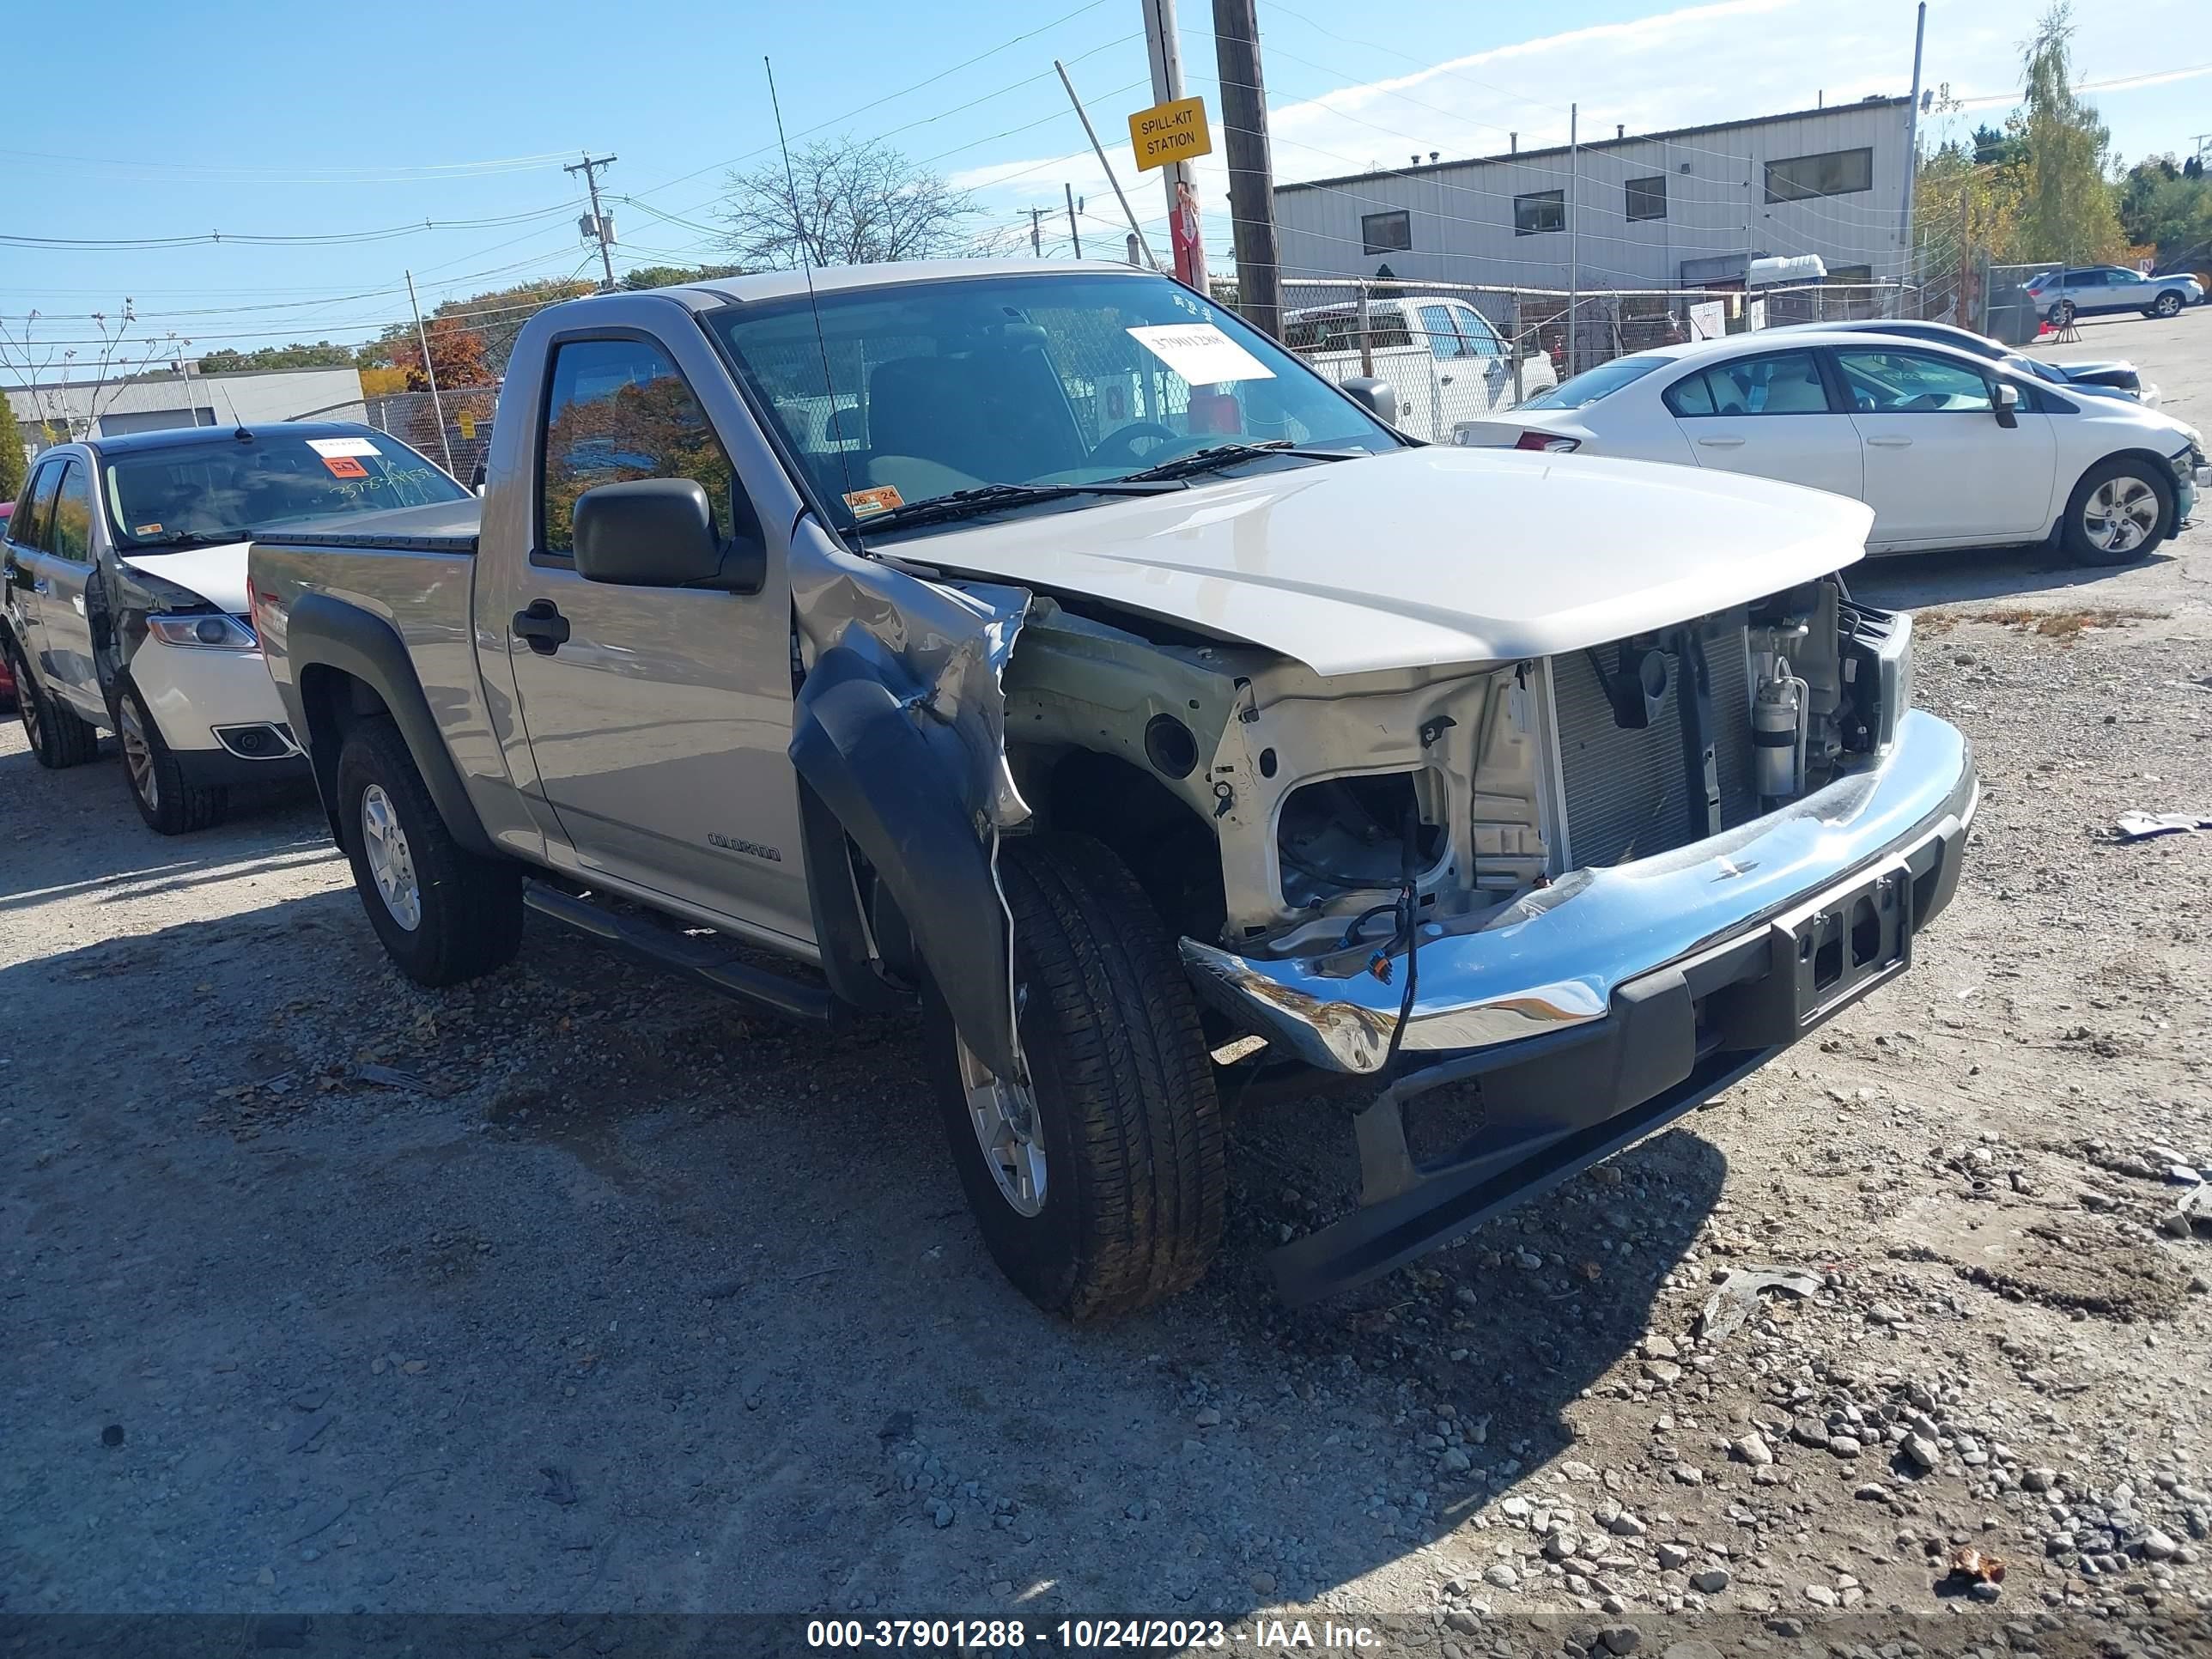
(227, 488)
(1593, 384)
(893, 396)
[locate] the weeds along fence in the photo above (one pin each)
(1456, 352)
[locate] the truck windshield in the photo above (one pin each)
(227, 488)
(913, 392)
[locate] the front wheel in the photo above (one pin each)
(2118, 514)
(1099, 1186)
(169, 805)
(444, 914)
(2166, 305)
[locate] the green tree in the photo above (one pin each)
(2066, 208)
(647, 277)
(2164, 205)
(321, 354)
(13, 466)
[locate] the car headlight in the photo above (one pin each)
(209, 630)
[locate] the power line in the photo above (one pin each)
(265, 239)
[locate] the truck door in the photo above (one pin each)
(658, 719)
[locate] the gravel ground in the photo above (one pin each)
(572, 1290)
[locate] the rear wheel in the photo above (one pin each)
(57, 734)
(2118, 514)
(169, 805)
(2061, 313)
(1099, 1186)
(444, 914)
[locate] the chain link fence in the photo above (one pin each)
(1456, 353)
(466, 438)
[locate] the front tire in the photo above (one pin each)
(2168, 304)
(56, 732)
(2118, 514)
(1100, 1187)
(444, 914)
(169, 805)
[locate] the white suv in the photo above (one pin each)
(2095, 289)
(123, 602)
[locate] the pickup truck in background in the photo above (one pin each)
(1113, 686)
(1440, 355)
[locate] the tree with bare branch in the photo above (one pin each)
(847, 202)
(114, 368)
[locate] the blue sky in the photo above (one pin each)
(269, 121)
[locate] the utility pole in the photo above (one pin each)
(1163, 46)
(1907, 267)
(1251, 169)
(602, 232)
(429, 371)
(1136, 232)
(1037, 237)
(1574, 230)
(1074, 234)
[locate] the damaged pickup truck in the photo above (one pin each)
(1041, 642)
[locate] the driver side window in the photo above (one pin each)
(619, 409)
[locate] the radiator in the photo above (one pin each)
(1623, 788)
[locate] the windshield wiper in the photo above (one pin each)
(188, 538)
(989, 498)
(1215, 456)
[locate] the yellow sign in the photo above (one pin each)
(468, 425)
(1169, 132)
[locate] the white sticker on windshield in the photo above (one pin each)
(1200, 353)
(332, 448)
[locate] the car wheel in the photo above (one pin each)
(2167, 304)
(444, 914)
(2118, 514)
(2061, 313)
(1099, 1187)
(57, 735)
(169, 805)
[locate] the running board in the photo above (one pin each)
(706, 961)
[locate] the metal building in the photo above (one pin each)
(146, 403)
(1689, 208)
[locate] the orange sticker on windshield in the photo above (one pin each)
(344, 466)
(866, 503)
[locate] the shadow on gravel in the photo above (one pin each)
(1909, 582)
(572, 1289)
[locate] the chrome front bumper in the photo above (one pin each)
(1555, 959)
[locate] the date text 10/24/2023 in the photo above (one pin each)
(1090, 1635)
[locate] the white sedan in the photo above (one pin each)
(1949, 450)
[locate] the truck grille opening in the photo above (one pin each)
(1343, 835)
(1626, 797)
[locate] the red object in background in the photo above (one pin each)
(1215, 411)
(1183, 235)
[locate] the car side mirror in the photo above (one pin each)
(2006, 406)
(660, 532)
(1378, 397)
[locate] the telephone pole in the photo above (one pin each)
(1163, 46)
(1037, 236)
(1251, 170)
(600, 230)
(1074, 234)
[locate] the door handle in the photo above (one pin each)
(1443, 380)
(1889, 443)
(1721, 443)
(544, 626)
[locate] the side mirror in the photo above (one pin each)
(477, 477)
(2007, 407)
(660, 532)
(1378, 397)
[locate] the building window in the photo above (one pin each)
(1838, 172)
(1387, 233)
(1539, 211)
(1647, 198)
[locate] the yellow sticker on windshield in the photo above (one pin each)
(866, 503)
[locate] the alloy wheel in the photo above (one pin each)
(2120, 515)
(391, 863)
(138, 756)
(1005, 1117)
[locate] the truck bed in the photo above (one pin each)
(441, 527)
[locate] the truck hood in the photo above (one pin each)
(217, 574)
(1424, 556)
